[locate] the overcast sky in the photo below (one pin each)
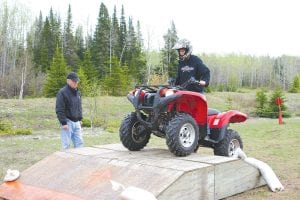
(258, 27)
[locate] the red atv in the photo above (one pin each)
(180, 116)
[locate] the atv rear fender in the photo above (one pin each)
(224, 118)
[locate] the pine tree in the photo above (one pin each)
(115, 34)
(79, 43)
(122, 36)
(88, 67)
(49, 40)
(277, 93)
(130, 50)
(45, 48)
(295, 88)
(135, 58)
(69, 45)
(139, 37)
(261, 101)
(56, 76)
(118, 83)
(101, 41)
(169, 56)
(84, 84)
(141, 62)
(37, 43)
(54, 38)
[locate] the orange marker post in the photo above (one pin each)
(278, 102)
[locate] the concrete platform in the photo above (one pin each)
(86, 173)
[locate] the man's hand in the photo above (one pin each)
(202, 83)
(66, 127)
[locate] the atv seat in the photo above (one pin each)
(212, 111)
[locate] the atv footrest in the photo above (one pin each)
(207, 138)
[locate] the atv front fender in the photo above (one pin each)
(194, 104)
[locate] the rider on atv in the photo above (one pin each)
(180, 114)
(190, 66)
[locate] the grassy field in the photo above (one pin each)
(264, 139)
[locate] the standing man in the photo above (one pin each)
(190, 66)
(69, 112)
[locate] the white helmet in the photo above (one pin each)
(184, 44)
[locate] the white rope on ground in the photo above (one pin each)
(265, 170)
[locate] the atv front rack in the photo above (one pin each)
(158, 103)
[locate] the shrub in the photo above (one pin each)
(5, 126)
(268, 108)
(208, 89)
(277, 93)
(261, 99)
(86, 122)
(22, 131)
(113, 126)
(7, 129)
(295, 85)
(97, 122)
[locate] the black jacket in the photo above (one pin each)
(68, 105)
(192, 67)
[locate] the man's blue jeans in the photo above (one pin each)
(73, 134)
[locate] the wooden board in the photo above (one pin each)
(88, 173)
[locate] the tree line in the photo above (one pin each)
(111, 57)
(233, 71)
(36, 57)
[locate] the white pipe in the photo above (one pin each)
(265, 170)
(11, 175)
(132, 193)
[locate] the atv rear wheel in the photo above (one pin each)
(133, 134)
(182, 135)
(230, 143)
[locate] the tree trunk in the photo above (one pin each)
(23, 78)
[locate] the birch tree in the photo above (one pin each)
(14, 25)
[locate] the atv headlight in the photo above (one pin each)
(169, 92)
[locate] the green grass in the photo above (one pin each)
(264, 139)
(278, 146)
(39, 113)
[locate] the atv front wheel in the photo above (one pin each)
(230, 143)
(133, 134)
(182, 135)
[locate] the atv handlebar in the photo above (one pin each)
(152, 87)
(183, 86)
(191, 81)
